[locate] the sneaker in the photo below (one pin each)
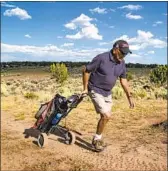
(98, 145)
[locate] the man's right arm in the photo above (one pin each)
(89, 68)
(86, 76)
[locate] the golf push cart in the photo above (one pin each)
(51, 113)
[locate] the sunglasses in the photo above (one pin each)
(122, 55)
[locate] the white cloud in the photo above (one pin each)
(165, 14)
(67, 44)
(21, 13)
(131, 7)
(52, 52)
(28, 36)
(82, 20)
(78, 35)
(151, 52)
(59, 37)
(8, 57)
(104, 43)
(4, 4)
(157, 23)
(86, 28)
(70, 26)
(98, 10)
(113, 10)
(135, 17)
(135, 56)
(143, 40)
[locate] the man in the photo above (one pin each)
(99, 77)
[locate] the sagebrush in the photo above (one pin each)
(159, 75)
(59, 71)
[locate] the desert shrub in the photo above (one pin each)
(161, 93)
(147, 87)
(117, 92)
(13, 88)
(64, 91)
(17, 91)
(129, 76)
(60, 72)
(4, 90)
(142, 80)
(151, 95)
(8, 83)
(31, 95)
(34, 81)
(159, 75)
(140, 93)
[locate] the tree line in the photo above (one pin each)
(22, 64)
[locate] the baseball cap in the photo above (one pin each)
(123, 46)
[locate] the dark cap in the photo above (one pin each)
(123, 46)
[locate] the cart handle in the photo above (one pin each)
(83, 95)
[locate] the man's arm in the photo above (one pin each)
(91, 67)
(86, 76)
(125, 86)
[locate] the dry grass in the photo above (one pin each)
(132, 129)
(124, 124)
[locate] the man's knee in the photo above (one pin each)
(106, 116)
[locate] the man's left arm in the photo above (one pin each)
(125, 86)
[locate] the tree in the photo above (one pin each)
(59, 71)
(159, 74)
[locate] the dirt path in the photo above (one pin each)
(20, 153)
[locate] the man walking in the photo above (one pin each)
(99, 77)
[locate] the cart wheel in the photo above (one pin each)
(70, 138)
(42, 140)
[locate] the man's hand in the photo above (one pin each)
(131, 103)
(84, 92)
(125, 86)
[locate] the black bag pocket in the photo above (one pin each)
(42, 108)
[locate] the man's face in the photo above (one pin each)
(118, 55)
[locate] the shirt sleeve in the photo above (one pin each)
(123, 74)
(93, 65)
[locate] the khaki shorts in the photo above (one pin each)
(102, 104)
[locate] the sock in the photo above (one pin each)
(97, 137)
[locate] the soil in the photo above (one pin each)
(21, 153)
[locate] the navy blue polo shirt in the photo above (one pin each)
(104, 73)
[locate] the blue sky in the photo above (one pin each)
(78, 31)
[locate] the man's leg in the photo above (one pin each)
(104, 118)
(103, 107)
(97, 139)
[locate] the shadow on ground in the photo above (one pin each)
(60, 133)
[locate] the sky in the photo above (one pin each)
(78, 31)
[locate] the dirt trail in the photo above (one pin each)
(20, 153)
